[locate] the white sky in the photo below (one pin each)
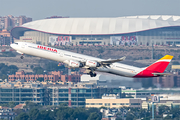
(40, 9)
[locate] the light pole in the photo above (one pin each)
(152, 110)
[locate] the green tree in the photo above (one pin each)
(22, 116)
(94, 116)
(34, 114)
(11, 104)
(46, 115)
(31, 105)
(32, 66)
(163, 108)
(118, 118)
(63, 105)
(38, 70)
(4, 70)
(129, 116)
(2, 65)
(13, 69)
(176, 112)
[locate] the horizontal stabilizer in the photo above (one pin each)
(112, 60)
(161, 74)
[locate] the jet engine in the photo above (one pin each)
(75, 64)
(91, 63)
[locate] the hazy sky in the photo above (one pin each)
(40, 9)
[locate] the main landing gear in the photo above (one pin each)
(92, 74)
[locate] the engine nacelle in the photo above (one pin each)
(75, 64)
(91, 63)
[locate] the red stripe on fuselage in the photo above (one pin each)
(157, 67)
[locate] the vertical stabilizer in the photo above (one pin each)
(155, 68)
(160, 65)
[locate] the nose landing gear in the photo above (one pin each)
(22, 57)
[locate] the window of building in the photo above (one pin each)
(82, 91)
(99, 39)
(107, 104)
(135, 103)
(91, 38)
(73, 90)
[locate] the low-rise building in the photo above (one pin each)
(79, 94)
(113, 101)
(7, 114)
(52, 76)
(172, 101)
(51, 93)
(143, 93)
(22, 92)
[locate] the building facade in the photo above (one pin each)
(7, 114)
(143, 93)
(129, 30)
(52, 76)
(51, 94)
(8, 22)
(20, 93)
(113, 101)
(79, 94)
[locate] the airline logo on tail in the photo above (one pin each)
(157, 68)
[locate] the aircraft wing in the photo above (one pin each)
(109, 61)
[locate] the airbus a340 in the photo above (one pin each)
(92, 64)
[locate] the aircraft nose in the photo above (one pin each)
(12, 45)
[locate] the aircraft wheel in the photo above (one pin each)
(22, 57)
(92, 74)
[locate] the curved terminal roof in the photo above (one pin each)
(98, 26)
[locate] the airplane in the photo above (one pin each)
(92, 64)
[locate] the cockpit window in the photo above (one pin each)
(16, 43)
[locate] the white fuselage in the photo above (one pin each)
(62, 56)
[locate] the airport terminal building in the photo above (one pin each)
(129, 30)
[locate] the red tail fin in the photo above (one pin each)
(157, 67)
(160, 65)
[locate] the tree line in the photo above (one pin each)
(61, 112)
